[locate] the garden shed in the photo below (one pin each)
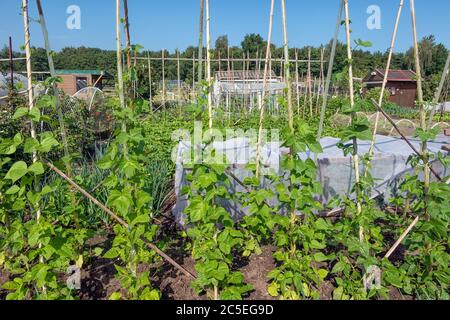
(75, 80)
(401, 85)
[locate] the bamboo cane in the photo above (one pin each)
(55, 87)
(232, 71)
(244, 78)
(271, 105)
(309, 84)
(321, 80)
(287, 68)
(352, 103)
(200, 41)
(127, 33)
(31, 104)
(193, 77)
(317, 61)
(11, 65)
(438, 93)
(385, 79)
(266, 67)
(118, 219)
(297, 89)
(178, 78)
(208, 64)
(330, 71)
(150, 82)
(119, 66)
(402, 237)
(305, 94)
(229, 77)
(316, 94)
(404, 138)
(426, 183)
(258, 62)
(163, 52)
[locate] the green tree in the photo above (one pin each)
(253, 43)
(432, 56)
(222, 45)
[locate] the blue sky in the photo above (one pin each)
(172, 24)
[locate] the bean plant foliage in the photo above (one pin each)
(44, 225)
(216, 239)
(43, 229)
(39, 240)
(126, 162)
(314, 253)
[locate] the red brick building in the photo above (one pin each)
(75, 80)
(401, 85)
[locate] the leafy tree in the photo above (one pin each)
(253, 43)
(222, 45)
(432, 56)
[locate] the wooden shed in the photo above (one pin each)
(401, 85)
(75, 80)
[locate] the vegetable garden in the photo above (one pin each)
(95, 223)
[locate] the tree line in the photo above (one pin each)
(433, 57)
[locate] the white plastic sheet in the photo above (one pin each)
(335, 171)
